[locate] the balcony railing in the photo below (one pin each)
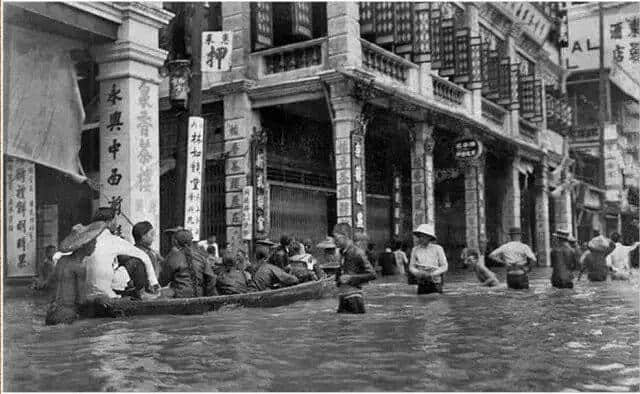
(448, 92)
(494, 113)
(377, 59)
(301, 55)
(528, 131)
(585, 133)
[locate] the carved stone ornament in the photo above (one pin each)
(429, 143)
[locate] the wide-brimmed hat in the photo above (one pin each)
(327, 243)
(515, 230)
(562, 234)
(266, 242)
(426, 229)
(81, 235)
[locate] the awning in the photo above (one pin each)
(43, 114)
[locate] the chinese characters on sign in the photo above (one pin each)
(261, 188)
(194, 176)
(397, 202)
(247, 213)
(216, 51)
(358, 179)
(20, 218)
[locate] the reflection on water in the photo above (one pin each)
(470, 338)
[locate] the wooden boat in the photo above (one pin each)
(190, 306)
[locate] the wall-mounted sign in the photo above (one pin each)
(193, 189)
(468, 148)
(261, 188)
(397, 202)
(247, 213)
(216, 51)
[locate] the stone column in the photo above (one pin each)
(129, 129)
(543, 239)
(236, 17)
(349, 129)
(239, 122)
(343, 28)
(472, 22)
(422, 200)
(474, 204)
(511, 199)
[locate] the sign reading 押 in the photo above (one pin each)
(216, 51)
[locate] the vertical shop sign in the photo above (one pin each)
(247, 213)
(358, 177)
(475, 50)
(397, 202)
(216, 51)
(194, 176)
(20, 219)
(261, 194)
(262, 20)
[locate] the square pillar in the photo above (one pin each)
(422, 185)
(474, 204)
(343, 29)
(239, 122)
(511, 201)
(543, 240)
(236, 17)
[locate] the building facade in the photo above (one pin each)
(388, 115)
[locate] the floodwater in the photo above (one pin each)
(471, 338)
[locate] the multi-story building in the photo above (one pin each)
(386, 115)
(78, 79)
(611, 203)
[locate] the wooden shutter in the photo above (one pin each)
(384, 18)
(513, 85)
(527, 106)
(448, 48)
(301, 19)
(550, 103)
(504, 82)
(475, 48)
(435, 27)
(493, 75)
(262, 22)
(403, 28)
(537, 101)
(462, 56)
(367, 17)
(421, 42)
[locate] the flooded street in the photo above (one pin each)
(470, 339)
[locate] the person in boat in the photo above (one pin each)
(185, 270)
(45, 270)
(402, 262)
(103, 263)
(485, 276)
(594, 260)
(563, 256)
(268, 275)
(303, 265)
(210, 242)
(71, 271)
(618, 259)
(355, 270)
(518, 259)
(428, 262)
(232, 279)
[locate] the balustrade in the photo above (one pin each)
(493, 112)
(378, 59)
(448, 92)
(293, 57)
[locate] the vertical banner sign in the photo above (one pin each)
(475, 49)
(216, 51)
(448, 48)
(358, 177)
(247, 213)
(612, 158)
(367, 12)
(462, 56)
(301, 24)
(435, 27)
(259, 151)
(20, 218)
(384, 22)
(403, 27)
(421, 42)
(262, 20)
(397, 202)
(194, 176)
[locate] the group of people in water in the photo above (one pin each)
(94, 262)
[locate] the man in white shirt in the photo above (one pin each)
(618, 260)
(517, 257)
(101, 264)
(428, 262)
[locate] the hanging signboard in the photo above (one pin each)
(613, 160)
(468, 148)
(20, 218)
(216, 51)
(247, 213)
(193, 190)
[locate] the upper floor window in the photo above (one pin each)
(527, 67)
(492, 40)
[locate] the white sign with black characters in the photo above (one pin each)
(216, 51)
(193, 189)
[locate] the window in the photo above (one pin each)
(494, 42)
(282, 23)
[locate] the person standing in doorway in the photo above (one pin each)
(428, 263)
(355, 270)
(518, 259)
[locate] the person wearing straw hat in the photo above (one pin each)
(428, 262)
(563, 256)
(594, 260)
(70, 272)
(103, 262)
(517, 257)
(355, 270)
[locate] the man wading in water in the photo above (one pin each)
(355, 270)
(428, 262)
(518, 257)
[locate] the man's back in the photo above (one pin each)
(268, 275)
(232, 282)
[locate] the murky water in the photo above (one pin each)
(471, 338)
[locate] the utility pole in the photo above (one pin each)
(194, 30)
(602, 86)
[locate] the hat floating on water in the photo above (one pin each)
(81, 235)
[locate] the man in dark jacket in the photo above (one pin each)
(355, 271)
(187, 272)
(267, 275)
(563, 257)
(231, 280)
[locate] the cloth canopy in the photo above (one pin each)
(43, 112)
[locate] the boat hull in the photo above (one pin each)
(190, 306)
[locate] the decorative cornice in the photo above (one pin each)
(109, 11)
(227, 88)
(126, 50)
(287, 88)
(144, 13)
